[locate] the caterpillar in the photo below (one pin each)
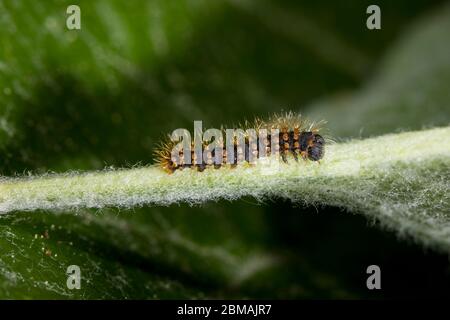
(288, 134)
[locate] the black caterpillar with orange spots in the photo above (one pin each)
(298, 138)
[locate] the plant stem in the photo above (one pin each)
(400, 179)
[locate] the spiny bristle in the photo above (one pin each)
(290, 120)
(286, 120)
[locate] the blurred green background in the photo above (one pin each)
(104, 95)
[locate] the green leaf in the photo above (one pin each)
(85, 100)
(409, 90)
(405, 189)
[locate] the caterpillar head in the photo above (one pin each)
(313, 145)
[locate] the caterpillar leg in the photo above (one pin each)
(284, 157)
(304, 155)
(295, 155)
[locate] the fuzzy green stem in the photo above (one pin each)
(401, 179)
